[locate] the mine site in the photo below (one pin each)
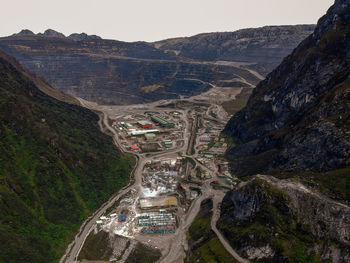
(180, 162)
(189, 132)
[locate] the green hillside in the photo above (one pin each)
(56, 167)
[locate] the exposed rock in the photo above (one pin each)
(323, 225)
(259, 252)
(267, 44)
(246, 203)
(299, 113)
(296, 124)
(25, 32)
(326, 218)
(40, 82)
(83, 36)
(115, 72)
(53, 33)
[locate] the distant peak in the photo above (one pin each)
(53, 33)
(25, 32)
(83, 36)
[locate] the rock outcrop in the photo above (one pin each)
(115, 72)
(296, 126)
(53, 33)
(266, 45)
(297, 119)
(285, 221)
(83, 37)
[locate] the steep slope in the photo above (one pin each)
(55, 168)
(40, 82)
(115, 72)
(204, 245)
(298, 117)
(272, 220)
(296, 126)
(265, 45)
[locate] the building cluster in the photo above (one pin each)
(200, 174)
(160, 120)
(149, 132)
(157, 223)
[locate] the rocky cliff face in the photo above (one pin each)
(296, 126)
(297, 118)
(266, 45)
(114, 72)
(285, 221)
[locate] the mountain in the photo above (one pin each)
(56, 167)
(115, 72)
(265, 46)
(297, 118)
(40, 82)
(296, 128)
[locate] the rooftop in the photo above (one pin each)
(144, 123)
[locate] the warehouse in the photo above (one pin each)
(148, 203)
(145, 124)
(141, 132)
(126, 125)
(162, 121)
(167, 143)
(157, 223)
(151, 137)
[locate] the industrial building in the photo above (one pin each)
(157, 223)
(142, 132)
(167, 143)
(162, 121)
(126, 125)
(148, 203)
(145, 124)
(205, 139)
(151, 137)
(134, 147)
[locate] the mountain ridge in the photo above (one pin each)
(115, 72)
(289, 99)
(291, 145)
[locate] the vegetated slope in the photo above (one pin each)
(101, 247)
(56, 167)
(204, 245)
(272, 220)
(115, 72)
(296, 126)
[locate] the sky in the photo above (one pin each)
(151, 20)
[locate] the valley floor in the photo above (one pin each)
(191, 169)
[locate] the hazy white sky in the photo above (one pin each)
(149, 20)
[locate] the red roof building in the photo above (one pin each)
(145, 124)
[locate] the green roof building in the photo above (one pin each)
(162, 121)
